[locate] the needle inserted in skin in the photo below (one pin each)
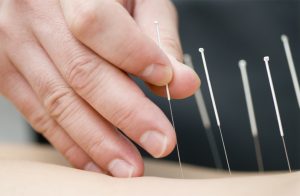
(169, 100)
(267, 59)
(248, 96)
(291, 64)
(201, 50)
(205, 119)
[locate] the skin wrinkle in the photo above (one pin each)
(56, 131)
(81, 68)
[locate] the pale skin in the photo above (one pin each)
(25, 176)
(65, 66)
(67, 77)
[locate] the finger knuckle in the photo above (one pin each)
(96, 147)
(39, 121)
(81, 69)
(58, 99)
(133, 49)
(84, 20)
(43, 124)
(124, 116)
(49, 130)
(74, 155)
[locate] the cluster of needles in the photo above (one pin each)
(249, 102)
(248, 97)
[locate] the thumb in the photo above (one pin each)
(163, 11)
(185, 81)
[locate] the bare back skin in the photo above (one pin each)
(37, 170)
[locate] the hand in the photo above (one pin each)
(64, 65)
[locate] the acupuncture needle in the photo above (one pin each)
(169, 101)
(201, 50)
(291, 64)
(205, 119)
(267, 59)
(251, 114)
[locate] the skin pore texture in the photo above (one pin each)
(35, 170)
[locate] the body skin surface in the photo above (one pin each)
(35, 170)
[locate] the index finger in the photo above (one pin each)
(107, 28)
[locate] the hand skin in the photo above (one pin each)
(65, 66)
(34, 179)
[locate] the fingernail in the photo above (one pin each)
(155, 143)
(120, 168)
(158, 74)
(92, 167)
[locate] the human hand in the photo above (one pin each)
(64, 65)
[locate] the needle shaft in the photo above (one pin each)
(225, 151)
(286, 154)
(201, 50)
(292, 68)
(266, 59)
(251, 114)
(205, 119)
(169, 101)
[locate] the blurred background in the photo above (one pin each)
(229, 30)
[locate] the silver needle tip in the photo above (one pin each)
(266, 58)
(201, 50)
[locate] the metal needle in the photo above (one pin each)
(201, 50)
(251, 114)
(205, 119)
(291, 64)
(267, 59)
(169, 101)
